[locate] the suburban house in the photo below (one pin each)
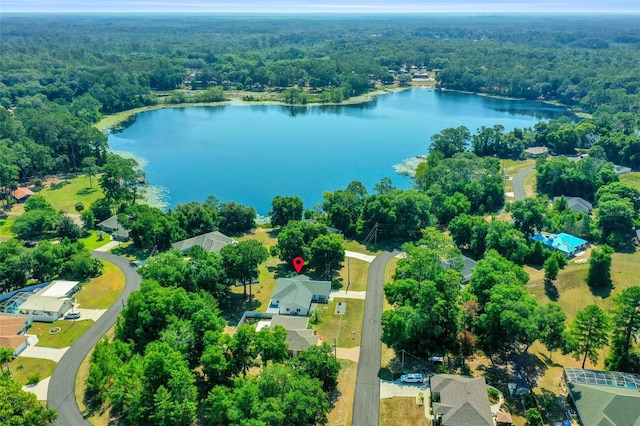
(536, 151)
(115, 228)
(12, 333)
(460, 401)
(294, 296)
(22, 194)
(467, 268)
(299, 336)
(211, 241)
(50, 303)
(604, 398)
(565, 243)
(577, 204)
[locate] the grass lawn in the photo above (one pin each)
(343, 406)
(5, 229)
(632, 178)
(530, 184)
(76, 190)
(352, 245)
(402, 411)
(357, 273)
(23, 367)
(390, 270)
(346, 328)
(69, 333)
(91, 242)
(103, 291)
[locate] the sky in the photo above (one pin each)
(321, 6)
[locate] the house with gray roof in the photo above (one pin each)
(115, 228)
(604, 398)
(211, 241)
(299, 336)
(294, 296)
(577, 204)
(467, 267)
(460, 401)
(536, 151)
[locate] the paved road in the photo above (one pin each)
(518, 184)
(61, 394)
(366, 405)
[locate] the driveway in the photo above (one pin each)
(366, 405)
(360, 256)
(344, 294)
(518, 183)
(44, 353)
(62, 383)
(397, 388)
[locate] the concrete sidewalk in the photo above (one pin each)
(40, 389)
(359, 256)
(348, 294)
(352, 354)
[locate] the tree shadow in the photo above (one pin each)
(86, 191)
(274, 233)
(602, 292)
(533, 367)
(551, 290)
(235, 306)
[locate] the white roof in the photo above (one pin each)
(44, 303)
(59, 288)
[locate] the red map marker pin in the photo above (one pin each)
(298, 263)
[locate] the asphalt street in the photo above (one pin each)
(518, 184)
(366, 406)
(61, 394)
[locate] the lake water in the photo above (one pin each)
(252, 153)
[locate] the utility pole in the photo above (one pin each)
(335, 348)
(348, 273)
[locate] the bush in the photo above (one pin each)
(34, 379)
(494, 395)
(533, 416)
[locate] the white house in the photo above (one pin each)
(294, 296)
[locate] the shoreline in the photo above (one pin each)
(111, 122)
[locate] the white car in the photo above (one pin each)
(412, 378)
(73, 315)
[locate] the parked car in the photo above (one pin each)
(412, 378)
(72, 315)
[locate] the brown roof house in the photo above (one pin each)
(12, 330)
(460, 401)
(22, 194)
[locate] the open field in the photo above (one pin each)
(70, 332)
(346, 328)
(354, 271)
(511, 167)
(352, 245)
(5, 229)
(632, 178)
(402, 411)
(343, 406)
(70, 192)
(23, 367)
(103, 291)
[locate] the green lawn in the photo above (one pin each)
(103, 291)
(354, 271)
(70, 332)
(632, 178)
(91, 242)
(71, 192)
(23, 367)
(5, 229)
(346, 328)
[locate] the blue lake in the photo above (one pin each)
(252, 153)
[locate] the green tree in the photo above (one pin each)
(235, 218)
(506, 240)
(243, 348)
(588, 333)
(551, 268)
(240, 261)
(320, 363)
(533, 416)
(552, 327)
(90, 168)
(529, 215)
(6, 355)
(450, 141)
(295, 240)
(626, 325)
(285, 209)
(327, 254)
(599, 274)
(22, 408)
(271, 344)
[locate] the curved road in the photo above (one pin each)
(61, 395)
(366, 405)
(518, 183)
